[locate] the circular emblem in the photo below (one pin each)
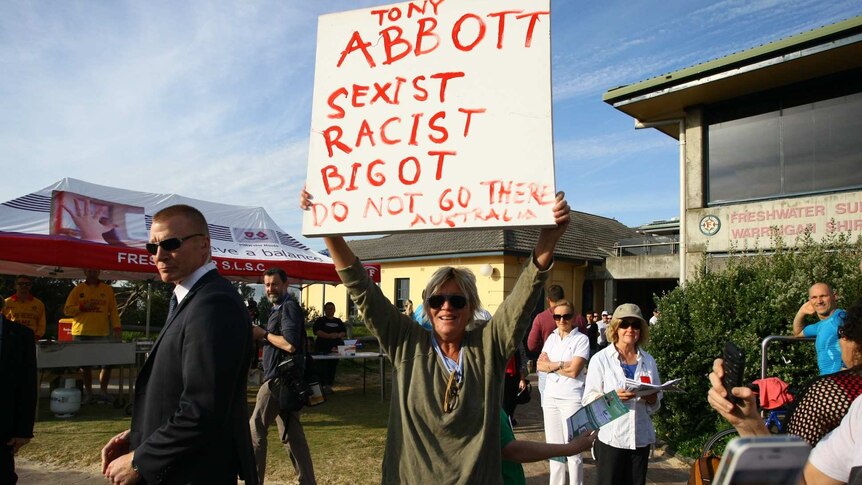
(710, 225)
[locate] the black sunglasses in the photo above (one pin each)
(626, 324)
(171, 244)
(564, 316)
(457, 301)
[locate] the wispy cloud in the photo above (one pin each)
(191, 98)
(662, 44)
(608, 146)
(213, 100)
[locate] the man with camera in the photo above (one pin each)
(283, 338)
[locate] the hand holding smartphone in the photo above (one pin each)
(734, 368)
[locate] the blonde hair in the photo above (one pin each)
(567, 303)
(463, 277)
(195, 218)
(611, 331)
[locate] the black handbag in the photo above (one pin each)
(291, 390)
(523, 397)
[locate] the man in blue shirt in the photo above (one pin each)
(821, 302)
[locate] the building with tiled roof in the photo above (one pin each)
(495, 255)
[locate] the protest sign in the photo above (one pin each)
(432, 114)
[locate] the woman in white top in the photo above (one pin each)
(563, 357)
(623, 448)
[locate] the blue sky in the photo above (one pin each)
(212, 100)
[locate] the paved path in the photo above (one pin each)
(663, 468)
(33, 473)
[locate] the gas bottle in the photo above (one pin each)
(66, 401)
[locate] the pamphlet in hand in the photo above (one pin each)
(645, 388)
(593, 416)
(596, 414)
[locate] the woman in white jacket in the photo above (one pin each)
(623, 448)
(563, 357)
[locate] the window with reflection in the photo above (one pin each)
(802, 140)
(402, 292)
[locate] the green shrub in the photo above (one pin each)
(753, 295)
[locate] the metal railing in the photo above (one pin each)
(776, 338)
(647, 245)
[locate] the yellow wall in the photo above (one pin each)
(492, 289)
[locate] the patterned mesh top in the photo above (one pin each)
(823, 403)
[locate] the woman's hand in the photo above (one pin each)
(743, 417)
(548, 237)
(625, 395)
(522, 385)
(650, 398)
(341, 254)
(304, 199)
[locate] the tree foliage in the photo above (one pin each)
(753, 295)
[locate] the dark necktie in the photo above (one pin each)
(172, 306)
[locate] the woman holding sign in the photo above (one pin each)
(444, 413)
(623, 448)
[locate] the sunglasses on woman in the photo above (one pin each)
(564, 316)
(626, 324)
(457, 301)
(171, 244)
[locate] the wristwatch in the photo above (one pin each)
(561, 365)
(135, 467)
(265, 338)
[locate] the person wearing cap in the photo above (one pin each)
(603, 327)
(623, 447)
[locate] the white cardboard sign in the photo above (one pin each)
(429, 115)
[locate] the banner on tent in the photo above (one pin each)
(75, 224)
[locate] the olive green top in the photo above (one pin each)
(423, 444)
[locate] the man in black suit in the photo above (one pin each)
(190, 419)
(18, 397)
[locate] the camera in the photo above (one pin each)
(291, 375)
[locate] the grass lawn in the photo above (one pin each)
(346, 434)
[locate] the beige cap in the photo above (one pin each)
(628, 310)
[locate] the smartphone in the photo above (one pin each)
(763, 460)
(734, 368)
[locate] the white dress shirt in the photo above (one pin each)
(634, 429)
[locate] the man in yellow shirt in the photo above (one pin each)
(24, 308)
(93, 309)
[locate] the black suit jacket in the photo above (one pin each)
(190, 419)
(18, 378)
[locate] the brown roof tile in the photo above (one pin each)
(587, 235)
